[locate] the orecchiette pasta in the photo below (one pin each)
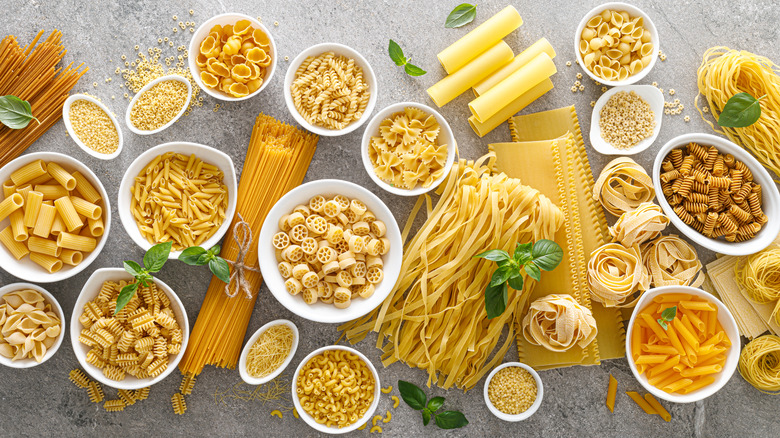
(28, 325)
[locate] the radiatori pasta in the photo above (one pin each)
(234, 58)
(336, 388)
(614, 45)
(331, 250)
(329, 91)
(179, 198)
(406, 152)
(29, 325)
(54, 215)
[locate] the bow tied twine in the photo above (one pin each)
(242, 235)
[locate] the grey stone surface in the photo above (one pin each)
(41, 401)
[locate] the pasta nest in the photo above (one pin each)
(639, 226)
(616, 275)
(622, 186)
(558, 323)
(671, 261)
(759, 275)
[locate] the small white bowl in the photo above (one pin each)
(146, 88)
(634, 12)
(769, 194)
(321, 312)
(726, 321)
(523, 415)
(321, 427)
(242, 361)
(25, 268)
(205, 153)
(88, 293)
(203, 31)
(445, 137)
(651, 95)
(339, 49)
(55, 306)
(75, 138)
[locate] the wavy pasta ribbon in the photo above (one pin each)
(558, 323)
(616, 275)
(622, 186)
(672, 261)
(639, 226)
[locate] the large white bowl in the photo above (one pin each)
(528, 412)
(319, 311)
(25, 268)
(55, 306)
(651, 95)
(769, 194)
(248, 346)
(75, 138)
(339, 49)
(634, 12)
(445, 137)
(203, 31)
(205, 153)
(726, 321)
(146, 88)
(321, 427)
(88, 293)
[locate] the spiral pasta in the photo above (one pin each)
(616, 275)
(558, 323)
(622, 186)
(759, 363)
(639, 226)
(759, 275)
(671, 261)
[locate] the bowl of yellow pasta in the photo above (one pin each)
(350, 403)
(682, 343)
(408, 148)
(35, 309)
(135, 348)
(180, 192)
(616, 44)
(55, 217)
(316, 104)
(232, 56)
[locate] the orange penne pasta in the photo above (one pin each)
(641, 402)
(698, 305)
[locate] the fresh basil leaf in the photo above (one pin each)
(435, 403)
(204, 259)
(412, 395)
(496, 298)
(547, 254)
(220, 268)
(741, 110)
(533, 271)
(155, 258)
(662, 323)
(15, 113)
(191, 255)
(125, 295)
(523, 253)
(133, 268)
(462, 14)
(426, 416)
(215, 250)
(669, 314)
(396, 54)
(500, 276)
(516, 283)
(494, 255)
(413, 70)
(451, 420)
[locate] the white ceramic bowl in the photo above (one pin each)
(146, 88)
(651, 95)
(55, 306)
(523, 415)
(319, 311)
(88, 293)
(726, 321)
(75, 138)
(339, 49)
(769, 193)
(25, 268)
(203, 31)
(321, 427)
(634, 12)
(205, 153)
(245, 352)
(445, 137)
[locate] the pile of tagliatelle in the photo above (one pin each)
(435, 317)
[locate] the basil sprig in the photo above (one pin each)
(15, 113)
(741, 110)
(397, 55)
(415, 397)
(544, 255)
(197, 256)
(462, 15)
(667, 316)
(154, 260)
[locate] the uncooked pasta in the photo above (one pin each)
(616, 275)
(759, 363)
(640, 225)
(558, 323)
(671, 261)
(622, 186)
(759, 275)
(269, 351)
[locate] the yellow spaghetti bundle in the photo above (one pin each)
(759, 275)
(435, 318)
(724, 73)
(276, 161)
(759, 363)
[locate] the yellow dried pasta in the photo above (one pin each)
(622, 186)
(671, 261)
(640, 225)
(616, 275)
(615, 45)
(558, 323)
(30, 327)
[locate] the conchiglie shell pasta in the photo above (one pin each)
(616, 36)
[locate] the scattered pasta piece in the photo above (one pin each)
(142, 394)
(187, 383)
(179, 405)
(79, 378)
(611, 393)
(641, 402)
(660, 410)
(276, 413)
(363, 426)
(127, 396)
(387, 390)
(114, 405)
(388, 417)
(396, 401)
(558, 323)
(295, 413)
(95, 392)
(376, 429)
(375, 419)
